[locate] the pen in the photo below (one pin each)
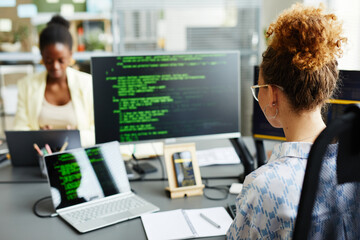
(38, 149)
(43, 150)
(48, 149)
(64, 145)
(209, 220)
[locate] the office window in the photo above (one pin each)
(193, 25)
(5, 25)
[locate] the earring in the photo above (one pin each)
(276, 112)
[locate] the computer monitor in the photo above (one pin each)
(166, 96)
(348, 93)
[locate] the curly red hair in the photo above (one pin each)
(303, 47)
(311, 36)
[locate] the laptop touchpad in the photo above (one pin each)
(118, 217)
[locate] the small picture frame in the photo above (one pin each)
(183, 170)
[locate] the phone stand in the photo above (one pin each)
(173, 189)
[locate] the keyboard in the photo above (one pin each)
(105, 209)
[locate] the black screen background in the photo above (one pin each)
(205, 105)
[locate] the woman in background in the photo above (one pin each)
(297, 75)
(60, 97)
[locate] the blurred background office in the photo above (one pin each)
(127, 27)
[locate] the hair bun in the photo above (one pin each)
(310, 36)
(57, 19)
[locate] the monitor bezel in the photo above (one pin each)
(184, 138)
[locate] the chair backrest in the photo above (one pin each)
(329, 206)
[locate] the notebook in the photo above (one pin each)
(90, 188)
(187, 223)
(21, 144)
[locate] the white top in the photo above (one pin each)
(58, 117)
(31, 92)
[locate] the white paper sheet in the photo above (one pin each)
(216, 156)
(143, 150)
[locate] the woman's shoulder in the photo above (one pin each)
(259, 175)
(79, 74)
(284, 167)
(273, 182)
(78, 79)
(33, 79)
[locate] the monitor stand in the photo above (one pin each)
(244, 155)
(260, 152)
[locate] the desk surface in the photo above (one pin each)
(17, 220)
(20, 188)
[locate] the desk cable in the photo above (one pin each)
(38, 214)
(161, 163)
(135, 161)
(221, 188)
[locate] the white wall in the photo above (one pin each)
(349, 14)
(269, 12)
(177, 21)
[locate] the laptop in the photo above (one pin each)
(90, 188)
(21, 144)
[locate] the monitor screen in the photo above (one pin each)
(348, 93)
(166, 96)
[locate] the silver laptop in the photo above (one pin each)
(90, 188)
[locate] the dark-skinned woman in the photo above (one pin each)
(60, 97)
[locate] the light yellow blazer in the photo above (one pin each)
(31, 92)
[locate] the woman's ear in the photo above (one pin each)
(273, 94)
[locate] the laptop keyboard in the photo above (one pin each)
(105, 209)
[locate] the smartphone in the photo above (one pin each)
(183, 169)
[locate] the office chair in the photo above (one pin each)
(332, 190)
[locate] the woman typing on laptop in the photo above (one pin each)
(60, 97)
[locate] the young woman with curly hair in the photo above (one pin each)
(297, 75)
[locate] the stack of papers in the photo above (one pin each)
(183, 224)
(142, 150)
(224, 155)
